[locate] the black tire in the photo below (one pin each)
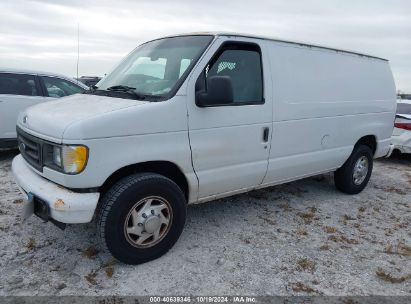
(115, 209)
(344, 176)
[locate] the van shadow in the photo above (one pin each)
(6, 154)
(397, 158)
(264, 210)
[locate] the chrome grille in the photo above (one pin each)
(30, 148)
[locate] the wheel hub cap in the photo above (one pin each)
(148, 221)
(360, 170)
(152, 224)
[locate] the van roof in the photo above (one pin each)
(300, 43)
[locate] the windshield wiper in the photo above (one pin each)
(126, 89)
(120, 88)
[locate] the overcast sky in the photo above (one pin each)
(42, 34)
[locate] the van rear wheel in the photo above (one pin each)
(141, 217)
(354, 175)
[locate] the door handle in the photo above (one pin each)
(266, 132)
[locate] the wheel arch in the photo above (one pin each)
(368, 140)
(165, 168)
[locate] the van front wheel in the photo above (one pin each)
(354, 175)
(141, 217)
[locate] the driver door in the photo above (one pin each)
(230, 143)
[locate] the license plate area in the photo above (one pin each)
(28, 206)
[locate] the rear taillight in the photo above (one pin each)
(403, 125)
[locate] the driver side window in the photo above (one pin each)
(242, 63)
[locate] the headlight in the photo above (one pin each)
(74, 158)
(71, 159)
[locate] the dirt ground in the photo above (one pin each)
(295, 239)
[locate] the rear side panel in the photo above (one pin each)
(324, 102)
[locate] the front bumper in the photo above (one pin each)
(64, 205)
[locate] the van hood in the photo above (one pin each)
(53, 117)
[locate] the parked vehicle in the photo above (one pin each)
(401, 137)
(20, 89)
(193, 118)
(404, 96)
(89, 80)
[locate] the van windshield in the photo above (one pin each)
(156, 68)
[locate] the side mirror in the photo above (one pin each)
(219, 92)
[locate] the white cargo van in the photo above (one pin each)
(193, 118)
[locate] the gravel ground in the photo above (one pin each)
(295, 239)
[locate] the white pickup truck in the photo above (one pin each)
(193, 118)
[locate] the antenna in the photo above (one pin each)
(78, 46)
